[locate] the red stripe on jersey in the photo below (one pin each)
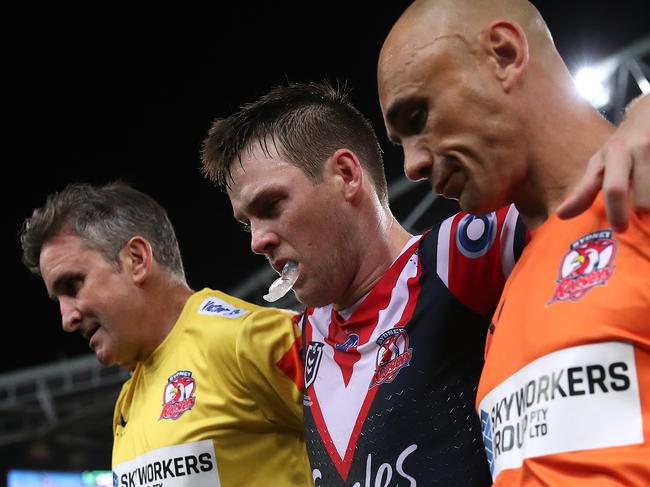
(291, 365)
(475, 280)
(339, 333)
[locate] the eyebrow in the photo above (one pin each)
(255, 201)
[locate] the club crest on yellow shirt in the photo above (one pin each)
(178, 396)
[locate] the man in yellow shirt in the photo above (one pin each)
(215, 395)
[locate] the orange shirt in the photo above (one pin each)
(564, 396)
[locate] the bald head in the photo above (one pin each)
(471, 90)
(427, 21)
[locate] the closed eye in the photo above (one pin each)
(67, 285)
(415, 121)
(269, 209)
(264, 205)
(407, 118)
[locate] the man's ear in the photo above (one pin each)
(505, 43)
(345, 167)
(137, 257)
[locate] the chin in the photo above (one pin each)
(314, 299)
(103, 358)
(476, 205)
(309, 300)
(468, 206)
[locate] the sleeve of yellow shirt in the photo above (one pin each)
(268, 353)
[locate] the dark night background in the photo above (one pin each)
(104, 91)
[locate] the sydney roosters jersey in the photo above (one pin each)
(565, 391)
(391, 382)
(217, 404)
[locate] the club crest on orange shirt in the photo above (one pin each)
(178, 396)
(588, 263)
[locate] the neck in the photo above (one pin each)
(167, 300)
(378, 249)
(562, 143)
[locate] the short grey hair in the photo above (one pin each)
(105, 218)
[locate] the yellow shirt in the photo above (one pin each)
(218, 403)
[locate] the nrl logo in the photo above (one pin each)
(312, 362)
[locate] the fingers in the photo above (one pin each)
(586, 191)
(622, 165)
(641, 179)
(616, 183)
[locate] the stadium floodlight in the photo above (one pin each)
(591, 86)
(644, 86)
(640, 72)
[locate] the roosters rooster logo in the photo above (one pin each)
(588, 263)
(393, 354)
(178, 396)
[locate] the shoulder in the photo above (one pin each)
(243, 315)
(217, 304)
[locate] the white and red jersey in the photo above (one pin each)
(391, 382)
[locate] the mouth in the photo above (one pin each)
(441, 182)
(293, 273)
(449, 179)
(278, 265)
(89, 333)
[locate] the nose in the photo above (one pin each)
(418, 163)
(262, 239)
(70, 315)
